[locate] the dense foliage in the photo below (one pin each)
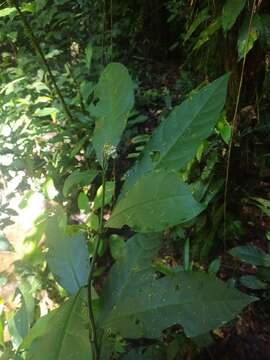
(133, 136)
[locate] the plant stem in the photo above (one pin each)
(234, 122)
(43, 59)
(93, 330)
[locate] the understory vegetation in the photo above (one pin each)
(134, 179)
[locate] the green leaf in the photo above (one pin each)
(262, 204)
(251, 282)
(49, 189)
(93, 222)
(78, 178)
(135, 303)
(224, 129)
(88, 56)
(230, 12)
(246, 40)
(177, 139)
(7, 11)
(214, 266)
(39, 328)
(109, 193)
(83, 203)
(135, 265)
(115, 94)
(206, 34)
(48, 111)
(66, 335)
(252, 255)
(200, 18)
(67, 256)
(20, 323)
(117, 246)
(157, 201)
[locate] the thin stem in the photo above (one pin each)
(93, 333)
(43, 59)
(234, 120)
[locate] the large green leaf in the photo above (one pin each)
(230, 12)
(141, 305)
(177, 139)
(115, 94)
(135, 261)
(158, 200)
(67, 257)
(66, 335)
(39, 328)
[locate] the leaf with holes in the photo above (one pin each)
(115, 99)
(157, 201)
(177, 139)
(66, 335)
(67, 257)
(136, 304)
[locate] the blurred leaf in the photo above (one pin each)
(246, 40)
(230, 12)
(251, 282)
(78, 179)
(252, 255)
(109, 193)
(88, 56)
(199, 19)
(262, 204)
(49, 111)
(117, 246)
(93, 222)
(49, 189)
(214, 266)
(7, 11)
(5, 244)
(21, 321)
(206, 34)
(67, 257)
(224, 129)
(83, 203)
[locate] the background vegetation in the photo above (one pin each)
(134, 179)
